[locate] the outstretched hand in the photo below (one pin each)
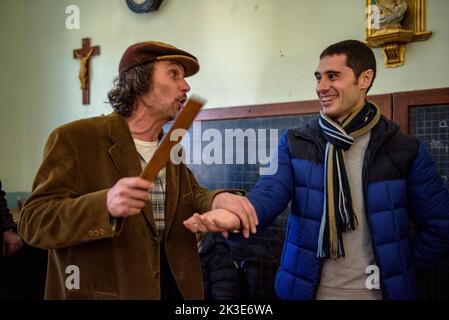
(218, 220)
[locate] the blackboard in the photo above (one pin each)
(262, 251)
(430, 124)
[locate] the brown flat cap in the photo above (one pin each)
(143, 52)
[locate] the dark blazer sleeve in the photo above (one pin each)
(6, 220)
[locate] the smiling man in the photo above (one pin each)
(355, 183)
(111, 234)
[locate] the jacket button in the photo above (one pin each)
(157, 275)
(155, 241)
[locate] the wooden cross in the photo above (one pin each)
(84, 54)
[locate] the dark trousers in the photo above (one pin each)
(169, 289)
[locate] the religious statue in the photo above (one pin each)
(84, 54)
(392, 25)
(391, 12)
(83, 68)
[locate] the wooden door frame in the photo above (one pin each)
(403, 101)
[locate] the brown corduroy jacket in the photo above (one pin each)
(66, 213)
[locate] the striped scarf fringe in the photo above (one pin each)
(338, 214)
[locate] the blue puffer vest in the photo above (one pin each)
(401, 184)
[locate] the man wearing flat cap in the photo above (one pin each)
(111, 234)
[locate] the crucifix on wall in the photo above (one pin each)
(84, 54)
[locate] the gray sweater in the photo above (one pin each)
(348, 278)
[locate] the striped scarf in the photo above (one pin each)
(338, 213)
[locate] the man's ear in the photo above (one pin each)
(366, 78)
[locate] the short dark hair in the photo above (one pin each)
(128, 86)
(359, 57)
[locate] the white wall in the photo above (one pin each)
(250, 51)
(12, 93)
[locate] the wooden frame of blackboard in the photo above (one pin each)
(384, 101)
(403, 101)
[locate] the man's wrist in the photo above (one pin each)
(213, 205)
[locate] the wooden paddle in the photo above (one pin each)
(162, 154)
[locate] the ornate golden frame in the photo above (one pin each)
(394, 39)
